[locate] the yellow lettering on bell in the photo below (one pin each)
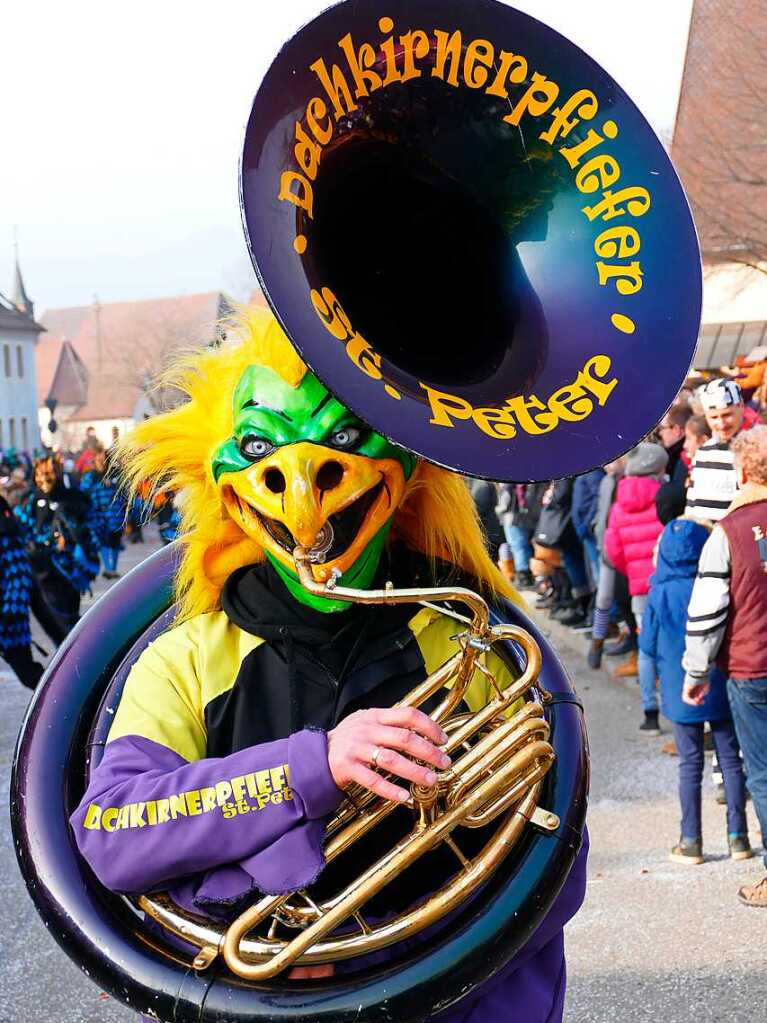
(478, 58)
(163, 811)
(633, 200)
(316, 111)
(512, 67)
(306, 152)
(193, 802)
(330, 311)
(448, 47)
(414, 45)
(621, 241)
(250, 782)
(599, 172)
(336, 88)
(591, 377)
(304, 197)
(627, 278)
(92, 817)
(238, 788)
(360, 63)
(446, 407)
(571, 403)
(536, 100)
(495, 422)
(582, 103)
(364, 357)
(523, 409)
(123, 818)
(151, 812)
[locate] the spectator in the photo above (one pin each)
(632, 530)
(585, 504)
(555, 529)
(484, 495)
(662, 639)
(725, 624)
(714, 480)
(671, 430)
(696, 433)
(518, 508)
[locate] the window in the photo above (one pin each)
(20, 361)
(7, 360)
(24, 436)
(12, 430)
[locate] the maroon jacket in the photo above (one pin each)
(743, 653)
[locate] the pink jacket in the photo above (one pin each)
(632, 531)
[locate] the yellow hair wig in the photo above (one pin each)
(173, 451)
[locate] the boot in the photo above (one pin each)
(650, 725)
(629, 668)
(623, 646)
(594, 657)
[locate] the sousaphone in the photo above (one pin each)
(474, 239)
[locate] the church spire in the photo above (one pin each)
(21, 299)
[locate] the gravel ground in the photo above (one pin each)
(653, 942)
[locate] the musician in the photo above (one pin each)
(54, 522)
(15, 591)
(239, 728)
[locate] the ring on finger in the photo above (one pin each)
(374, 756)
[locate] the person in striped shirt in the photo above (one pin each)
(714, 478)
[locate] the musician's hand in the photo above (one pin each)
(312, 972)
(352, 747)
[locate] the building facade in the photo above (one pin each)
(19, 335)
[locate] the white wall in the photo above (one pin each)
(18, 391)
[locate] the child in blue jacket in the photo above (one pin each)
(662, 638)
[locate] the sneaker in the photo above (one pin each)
(740, 847)
(688, 851)
(720, 795)
(626, 646)
(650, 725)
(524, 580)
(574, 616)
(754, 894)
(594, 656)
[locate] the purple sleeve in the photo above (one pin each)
(149, 817)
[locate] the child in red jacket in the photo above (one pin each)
(632, 533)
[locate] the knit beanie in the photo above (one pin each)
(646, 460)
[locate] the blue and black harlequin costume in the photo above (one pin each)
(56, 529)
(15, 597)
(107, 516)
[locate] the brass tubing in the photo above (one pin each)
(374, 878)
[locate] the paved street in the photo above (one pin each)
(654, 941)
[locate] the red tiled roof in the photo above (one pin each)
(47, 354)
(120, 342)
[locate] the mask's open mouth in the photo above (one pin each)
(340, 530)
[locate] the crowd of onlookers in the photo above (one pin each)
(63, 518)
(660, 557)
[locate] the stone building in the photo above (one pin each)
(720, 152)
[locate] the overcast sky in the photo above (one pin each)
(122, 125)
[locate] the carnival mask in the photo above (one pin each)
(301, 469)
(46, 476)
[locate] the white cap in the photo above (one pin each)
(758, 354)
(718, 394)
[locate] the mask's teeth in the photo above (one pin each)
(322, 544)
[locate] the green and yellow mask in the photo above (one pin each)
(301, 469)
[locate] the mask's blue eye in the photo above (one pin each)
(253, 447)
(346, 439)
